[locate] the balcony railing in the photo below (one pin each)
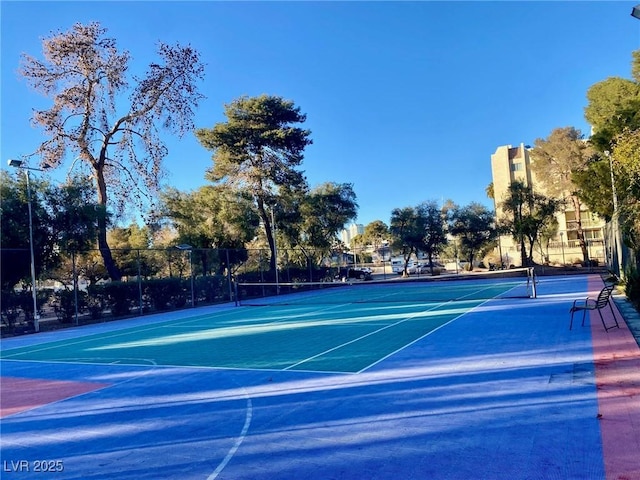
(572, 225)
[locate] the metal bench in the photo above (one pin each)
(604, 299)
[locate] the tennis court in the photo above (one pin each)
(342, 328)
(447, 380)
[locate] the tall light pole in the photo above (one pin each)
(275, 248)
(615, 219)
(36, 317)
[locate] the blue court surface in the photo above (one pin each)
(469, 389)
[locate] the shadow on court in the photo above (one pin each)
(502, 390)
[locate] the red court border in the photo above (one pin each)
(20, 394)
(617, 367)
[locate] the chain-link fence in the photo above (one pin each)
(78, 291)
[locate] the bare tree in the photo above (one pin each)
(84, 74)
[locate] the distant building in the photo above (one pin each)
(509, 164)
(347, 234)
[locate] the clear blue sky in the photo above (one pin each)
(405, 100)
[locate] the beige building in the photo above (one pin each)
(509, 164)
(351, 231)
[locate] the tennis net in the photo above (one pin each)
(513, 283)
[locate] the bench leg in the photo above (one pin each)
(602, 318)
(617, 325)
(573, 311)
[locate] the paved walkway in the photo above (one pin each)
(630, 314)
(617, 361)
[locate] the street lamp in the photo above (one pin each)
(636, 12)
(189, 248)
(615, 220)
(19, 164)
(562, 246)
(275, 248)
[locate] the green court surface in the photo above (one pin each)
(345, 338)
(344, 329)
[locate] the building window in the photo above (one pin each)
(516, 167)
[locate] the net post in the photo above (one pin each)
(531, 277)
(235, 294)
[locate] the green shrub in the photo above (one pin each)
(10, 308)
(64, 304)
(164, 293)
(212, 288)
(121, 296)
(96, 301)
(632, 285)
(25, 300)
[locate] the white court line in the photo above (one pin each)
(428, 333)
(125, 330)
(236, 445)
(365, 336)
(398, 323)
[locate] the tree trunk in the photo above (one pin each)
(523, 252)
(532, 242)
(583, 244)
(472, 254)
(105, 251)
(266, 221)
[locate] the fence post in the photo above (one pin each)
(229, 280)
(75, 283)
(139, 284)
(193, 294)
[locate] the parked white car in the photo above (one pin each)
(424, 267)
(397, 265)
(460, 267)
